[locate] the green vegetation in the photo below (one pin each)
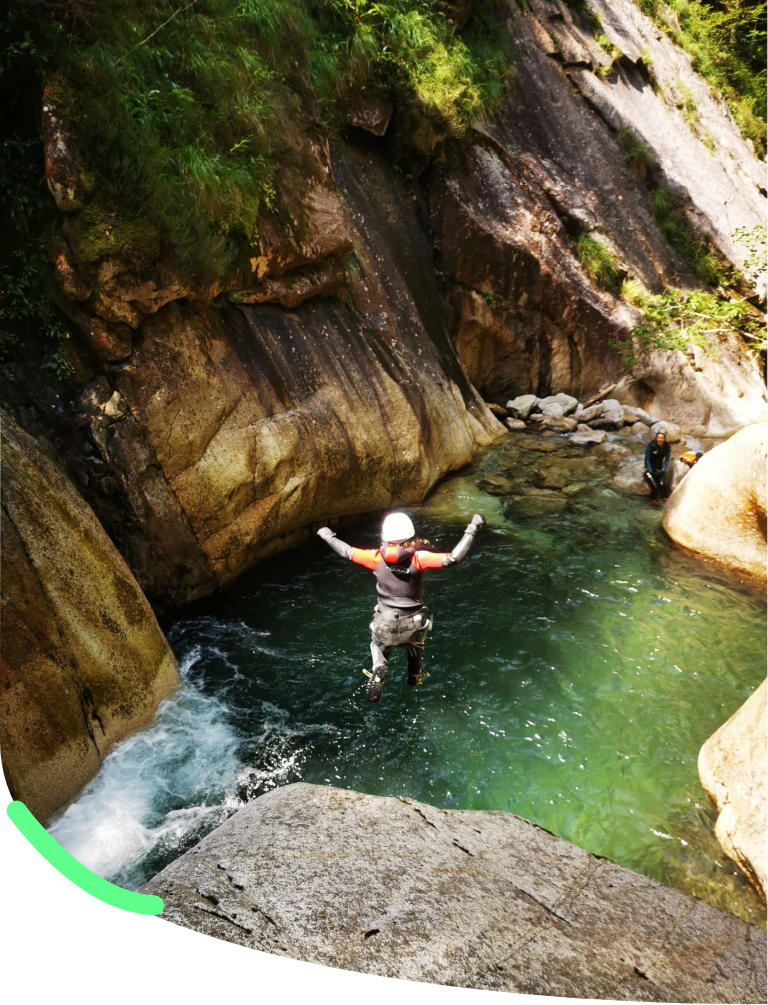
(727, 42)
(179, 110)
(678, 318)
(755, 242)
(637, 154)
(599, 262)
(670, 217)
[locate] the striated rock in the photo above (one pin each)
(719, 510)
(589, 438)
(84, 662)
(469, 899)
(522, 406)
(629, 479)
(670, 428)
(732, 769)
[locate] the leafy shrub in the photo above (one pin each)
(599, 262)
(678, 318)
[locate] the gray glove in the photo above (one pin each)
(477, 521)
(340, 547)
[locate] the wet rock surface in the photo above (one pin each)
(471, 899)
(84, 662)
(732, 769)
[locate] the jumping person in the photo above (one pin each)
(656, 461)
(400, 618)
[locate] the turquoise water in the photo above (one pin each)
(577, 664)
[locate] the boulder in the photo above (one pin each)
(83, 662)
(719, 510)
(471, 899)
(613, 418)
(536, 418)
(553, 410)
(629, 479)
(516, 425)
(592, 412)
(498, 410)
(560, 424)
(522, 406)
(670, 428)
(582, 427)
(732, 769)
(641, 429)
(630, 416)
(588, 439)
(568, 403)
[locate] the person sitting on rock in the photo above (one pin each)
(656, 461)
(400, 618)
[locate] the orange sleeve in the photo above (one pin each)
(429, 559)
(370, 559)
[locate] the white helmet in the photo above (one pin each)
(397, 527)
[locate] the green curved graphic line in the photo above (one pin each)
(76, 872)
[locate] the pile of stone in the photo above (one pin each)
(585, 424)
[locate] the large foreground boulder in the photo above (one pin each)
(82, 660)
(719, 510)
(732, 769)
(470, 899)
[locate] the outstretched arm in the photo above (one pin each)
(461, 550)
(340, 547)
(360, 556)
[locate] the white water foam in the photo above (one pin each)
(157, 789)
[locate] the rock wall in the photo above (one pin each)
(547, 167)
(336, 370)
(732, 769)
(230, 432)
(82, 660)
(469, 899)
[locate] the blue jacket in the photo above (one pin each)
(656, 457)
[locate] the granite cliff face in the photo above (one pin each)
(339, 369)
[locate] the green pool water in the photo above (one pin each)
(577, 664)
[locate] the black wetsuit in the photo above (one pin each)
(656, 461)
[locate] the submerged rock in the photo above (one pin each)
(732, 769)
(470, 899)
(629, 479)
(588, 439)
(84, 662)
(719, 510)
(496, 485)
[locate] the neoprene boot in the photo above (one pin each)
(375, 684)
